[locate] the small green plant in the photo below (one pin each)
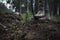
(26, 17)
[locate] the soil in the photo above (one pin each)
(12, 29)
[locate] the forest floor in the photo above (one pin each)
(11, 29)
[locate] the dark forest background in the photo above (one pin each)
(29, 19)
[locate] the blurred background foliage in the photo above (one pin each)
(12, 23)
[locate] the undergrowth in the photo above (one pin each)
(26, 17)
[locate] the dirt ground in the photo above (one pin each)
(11, 29)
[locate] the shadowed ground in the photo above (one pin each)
(11, 29)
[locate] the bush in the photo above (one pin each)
(26, 17)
